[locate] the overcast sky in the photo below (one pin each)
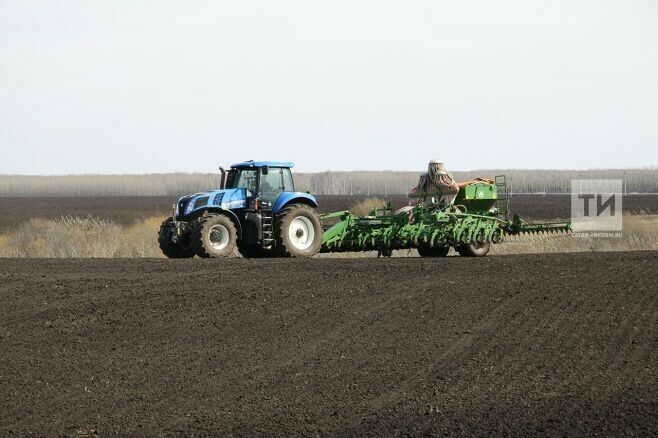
(159, 86)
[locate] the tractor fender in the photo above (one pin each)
(234, 217)
(287, 198)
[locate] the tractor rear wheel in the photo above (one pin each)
(298, 231)
(433, 251)
(171, 249)
(214, 235)
(473, 249)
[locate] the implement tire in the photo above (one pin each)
(297, 231)
(171, 249)
(214, 235)
(473, 249)
(433, 251)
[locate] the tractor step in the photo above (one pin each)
(267, 225)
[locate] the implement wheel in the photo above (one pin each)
(473, 249)
(298, 231)
(173, 250)
(433, 251)
(214, 236)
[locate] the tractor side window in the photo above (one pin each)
(288, 185)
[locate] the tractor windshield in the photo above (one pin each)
(243, 179)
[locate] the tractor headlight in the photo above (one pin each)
(189, 207)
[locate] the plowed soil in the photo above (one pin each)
(535, 344)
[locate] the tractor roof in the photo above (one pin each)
(252, 163)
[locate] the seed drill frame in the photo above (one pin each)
(479, 216)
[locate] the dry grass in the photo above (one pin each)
(91, 237)
(73, 237)
(639, 233)
(365, 207)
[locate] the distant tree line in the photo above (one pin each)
(106, 185)
(322, 183)
(520, 181)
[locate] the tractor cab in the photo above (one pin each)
(263, 179)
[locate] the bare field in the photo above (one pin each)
(127, 227)
(127, 210)
(533, 344)
(122, 210)
(557, 344)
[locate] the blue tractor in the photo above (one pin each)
(256, 209)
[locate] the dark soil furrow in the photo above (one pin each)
(554, 344)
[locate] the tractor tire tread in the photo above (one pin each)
(171, 249)
(200, 229)
(281, 247)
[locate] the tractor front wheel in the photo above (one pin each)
(214, 235)
(473, 249)
(298, 231)
(171, 249)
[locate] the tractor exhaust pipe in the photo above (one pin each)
(222, 178)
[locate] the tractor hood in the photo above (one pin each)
(227, 199)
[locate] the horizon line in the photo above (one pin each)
(594, 169)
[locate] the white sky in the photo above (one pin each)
(158, 86)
